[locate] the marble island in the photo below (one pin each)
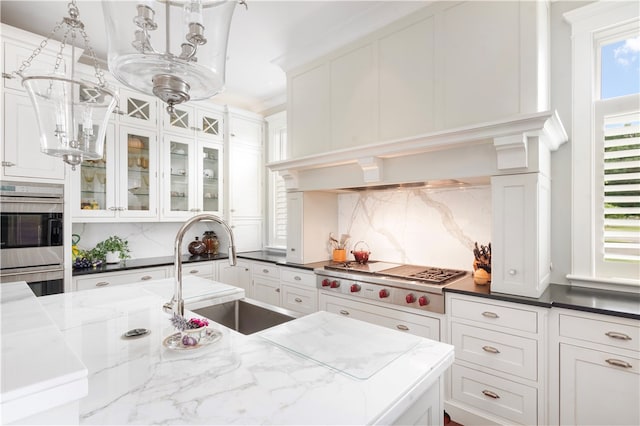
(318, 369)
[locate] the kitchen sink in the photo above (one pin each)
(247, 316)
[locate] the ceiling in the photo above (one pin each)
(265, 40)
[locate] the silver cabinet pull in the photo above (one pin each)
(490, 314)
(102, 283)
(8, 164)
(277, 290)
(490, 349)
(297, 299)
(343, 312)
(402, 327)
(512, 272)
(618, 363)
(146, 278)
(617, 335)
(297, 278)
(266, 271)
(491, 394)
(193, 271)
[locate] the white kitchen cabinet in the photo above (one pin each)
(124, 184)
(298, 290)
(412, 77)
(88, 282)
(420, 325)
(137, 108)
(521, 257)
(311, 216)
(499, 375)
(206, 270)
(238, 275)
(191, 177)
(246, 181)
(194, 120)
(21, 155)
(598, 357)
(265, 283)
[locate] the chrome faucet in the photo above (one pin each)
(177, 302)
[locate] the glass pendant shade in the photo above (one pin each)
(175, 50)
(72, 116)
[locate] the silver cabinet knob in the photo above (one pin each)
(512, 272)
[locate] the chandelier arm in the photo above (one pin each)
(27, 62)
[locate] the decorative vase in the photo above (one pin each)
(211, 242)
(113, 257)
(197, 247)
(339, 255)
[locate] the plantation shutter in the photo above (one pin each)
(621, 189)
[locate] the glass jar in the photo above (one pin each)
(197, 247)
(210, 240)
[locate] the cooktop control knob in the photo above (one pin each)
(423, 301)
(335, 284)
(383, 293)
(410, 298)
(355, 288)
(326, 282)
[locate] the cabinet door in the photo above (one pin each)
(209, 177)
(245, 175)
(209, 125)
(598, 388)
(95, 183)
(178, 177)
(295, 234)
(521, 229)
(299, 299)
(247, 234)
(266, 290)
(138, 173)
(245, 131)
(138, 109)
(239, 275)
(181, 121)
(22, 157)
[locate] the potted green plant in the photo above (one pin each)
(112, 250)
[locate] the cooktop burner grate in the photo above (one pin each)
(421, 273)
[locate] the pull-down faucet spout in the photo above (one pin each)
(176, 305)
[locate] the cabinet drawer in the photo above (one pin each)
(103, 280)
(503, 352)
(200, 269)
(266, 269)
(298, 276)
(604, 331)
(299, 299)
(494, 314)
(512, 401)
(398, 320)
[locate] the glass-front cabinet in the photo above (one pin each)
(121, 184)
(191, 177)
(137, 108)
(196, 121)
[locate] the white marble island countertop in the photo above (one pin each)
(319, 369)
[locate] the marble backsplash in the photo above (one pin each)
(431, 227)
(147, 239)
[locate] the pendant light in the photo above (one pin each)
(173, 49)
(72, 114)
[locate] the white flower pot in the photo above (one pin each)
(113, 257)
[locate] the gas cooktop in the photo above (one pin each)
(425, 274)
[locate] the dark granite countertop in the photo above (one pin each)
(149, 262)
(615, 303)
(605, 302)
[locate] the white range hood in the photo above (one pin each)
(469, 154)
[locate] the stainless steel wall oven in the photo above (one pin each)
(31, 235)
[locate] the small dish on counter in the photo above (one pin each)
(174, 341)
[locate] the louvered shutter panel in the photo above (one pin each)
(621, 189)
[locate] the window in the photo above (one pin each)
(606, 145)
(277, 194)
